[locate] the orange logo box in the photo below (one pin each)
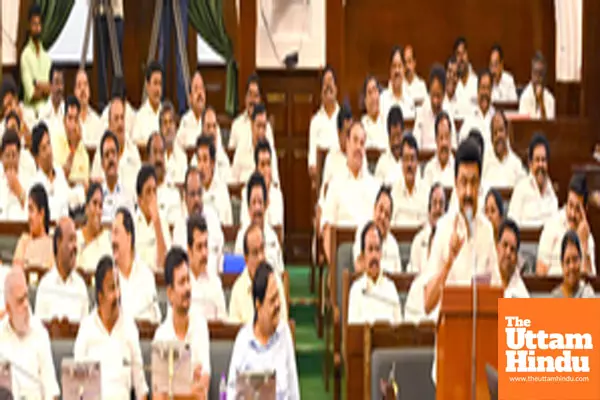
(549, 349)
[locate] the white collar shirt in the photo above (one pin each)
(386, 164)
(208, 298)
(274, 211)
(424, 129)
(528, 206)
(222, 165)
(241, 131)
(434, 172)
(119, 354)
(56, 298)
(33, 354)
(502, 173)
(58, 192)
(391, 261)
(335, 164)
(419, 250)
(88, 254)
(53, 118)
(456, 106)
(176, 165)
(129, 165)
(138, 293)
(410, 209)
(467, 92)
(119, 197)
(273, 252)
(322, 133)
(190, 128)
(416, 90)
(476, 119)
(146, 240)
(370, 302)
(10, 206)
(27, 167)
(505, 90)
(146, 122)
(243, 161)
(516, 288)
(387, 100)
(130, 114)
(217, 197)
(377, 137)
(414, 308)
(528, 105)
(91, 128)
(169, 202)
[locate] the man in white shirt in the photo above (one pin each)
(210, 128)
(190, 126)
(215, 192)
(373, 120)
(168, 197)
(257, 198)
(322, 130)
(424, 130)
(109, 336)
(136, 280)
(456, 106)
(175, 157)
(536, 100)
(26, 162)
(391, 160)
(182, 326)
(91, 127)
(391, 262)
(129, 112)
(480, 117)
(153, 237)
(13, 182)
(52, 111)
(62, 291)
(503, 83)
(440, 168)
(241, 307)
(571, 217)
(509, 241)
(395, 94)
(408, 190)
(501, 166)
(467, 81)
(335, 161)
(146, 119)
(373, 297)
(114, 192)
(533, 200)
(208, 299)
(24, 341)
(9, 95)
(415, 86)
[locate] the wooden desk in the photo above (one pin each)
(506, 106)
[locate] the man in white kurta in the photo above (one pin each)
(190, 126)
(13, 179)
(91, 127)
(456, 106)
(480, 117)
(467, 80)
(391, 159)
(167, 194)
(440, 168)
(146, 119)
(503, 82)
(373, 120)
(396, 94)
(415, 85)
(536, 100)
(507, 248)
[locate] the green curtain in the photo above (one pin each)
(54, 16)
(206, 16)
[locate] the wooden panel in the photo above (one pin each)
(591, 61)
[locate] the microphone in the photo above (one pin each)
(469, 218)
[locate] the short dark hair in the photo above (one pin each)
(11, 137)
(363, 234)
(538, 139)
(9, 86)
(569, 237)
(191, 170)
(207, 141)
(195, 222)
(467, 153)
(442, 115)
(253, 78)
(368, 79)
(250, 228)
(438, 73)
(37, 134)
(432, 190)
(258, 109)
(475, 135)
(511, 225)
(34, 11)
(395, 117)
(385, 190)
(397, 49)
(104, 265)
(175, 257)
(54, 69)
(451, 60)
(328, 68)
(127, 223)
(497, 199)
(38, 195)
(578, 185)
(13, 115)
(256, 179)
(504, 120)
(151, 138)
(71, 101)
(345, 114)
(261, 146)
(459, 40)
(483, 73)
(498, 48)
(92, 189)
(108, 135)
(153, 67)
(409, 139)
(260, 282)
(146, 172)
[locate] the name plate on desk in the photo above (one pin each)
(250, 385)
(171, 368)
(81, 380)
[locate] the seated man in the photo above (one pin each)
(168, 197)
(208, 298)
(190, 126)
(257, 198)
(153, 237)
(533, 201)
(509, 241)
(181, 325)
(194, 205)
(136, 280)
(62, 291)
(67, 145)
(210, 128)
(25, 160)
(91, 127)
(373, 121)
(536, 101)
(415, 85)
(129, 113)
(335, 161)
(52, 111)
(25, 116)
(391, 261)
(408, 190)
(467, 79)
(274, 206)
(424, 130)
(111, 337)
(146, 119)
(24, 341)
(572, 285)
(480, 117)
(501, 166)
(13, 181)
(373, 297)
(241, 306)
(175, 157)
(571, 217)
(391, 158)
(503, 83)
(394, 94)
(440, 168)
(215, 192)
(457, 107)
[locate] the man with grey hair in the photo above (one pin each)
(536, 100)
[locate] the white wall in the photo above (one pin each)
(69, 44)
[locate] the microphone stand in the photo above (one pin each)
(469, 214)
(171, 372)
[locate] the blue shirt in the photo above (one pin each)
(278, 354)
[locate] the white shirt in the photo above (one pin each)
(10, 206)
(31, 354)
(129, 165)
(273, 213)
(208, 299)
(273, 252)
(130, 113)
(377, 136)
(456, 106)
(146, 122)
(323, 133)
(435, 173)
(528, 206)
(138, 293)
(467, 92)
(119, 354)
(169, 202)
(222, 165)
(516, 288)
(176, 165)
(391, 261)
(410, 209)
(241, 131)
(56, 298)
(4, 270)
(424, 130)
(217, 197)
(89, 254)
(416, 89)
(119, 197)
(527, 103)
(57, 191)
(196, 336)
(190, 128)
(26, 164)
(146, 241)
(419, 250)
(385, 165)
(91, 128)
(551, 241)
(387, 100)
(241, 306)
(414, 308)
(476, 119)
(53, 118)
(371, 302)
(505, 90)
(502, 173)
(243, 162)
